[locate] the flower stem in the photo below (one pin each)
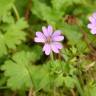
(52, 60)
(32, 82)
(16, 12)
(79, 88)
(51, 57)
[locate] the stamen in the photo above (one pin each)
(48, 40)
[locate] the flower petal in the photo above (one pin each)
(47, 49)
(56, 33)
(45, 31)
(54, 48)
(58, 45)
(94, 15)
(91, 26)
(93, 31)
(92, 19)
(50, 30)
(38, 39)
(39, 34)
(57, 38)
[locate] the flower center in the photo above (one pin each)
(48, 40)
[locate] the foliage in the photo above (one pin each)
(25, 69)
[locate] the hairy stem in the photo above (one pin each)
(54, 88)
(31, 92)
(73, 92)
(51, 57)
(27, 11)
(16, 12)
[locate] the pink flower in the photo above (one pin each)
(50, 39)
(92, 24)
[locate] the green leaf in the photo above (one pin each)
(3, 49)
(22, 74)
(5, 5)
(90, 89)
(17, 71)
(45, 12)
(8, 18)
(36, 53)
(59, 80)
(69, 82)
(14, 35)
(41, 78)
(57, 4)
(82, 47)
(72, 32)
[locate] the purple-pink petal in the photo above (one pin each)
(38, 39)
(57, 38)
(45, 31)
(47, 49)
(40, 35)
(91, 26)
(94, 15)
(58, 45)
(92, 19)
(54, 48)
(50, 30)
(93, 31)
(56, 33)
